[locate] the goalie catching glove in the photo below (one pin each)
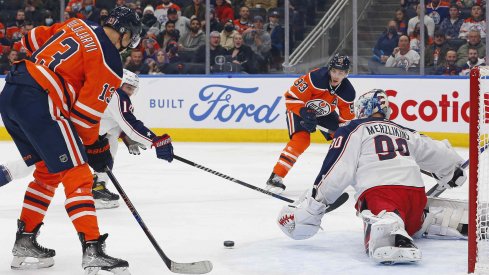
(164, 148)
(303, 220)
(99, 155)
(309, 120)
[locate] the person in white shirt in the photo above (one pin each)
(403, 56)
(381, 160)
(476, 21)
(428, 22)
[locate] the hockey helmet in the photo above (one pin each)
(123, 19)
(374, 101)
(132, 79)
(340, 62)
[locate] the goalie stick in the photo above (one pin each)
(182, 268)
(340, 201)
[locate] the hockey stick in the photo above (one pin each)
(182, 268)
(342, 199)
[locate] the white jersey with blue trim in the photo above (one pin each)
(119, 117)
(372, 152)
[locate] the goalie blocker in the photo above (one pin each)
(381, 160)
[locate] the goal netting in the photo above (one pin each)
(479, 172)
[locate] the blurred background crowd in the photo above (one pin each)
(248, 36)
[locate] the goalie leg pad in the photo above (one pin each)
(302, 221)
(381, 238)
(445, 219)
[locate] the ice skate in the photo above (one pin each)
(404, 251)
(28, 254)
(275, 184)
(104, 199)
(95, 259)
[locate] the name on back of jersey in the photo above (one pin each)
(386, 129)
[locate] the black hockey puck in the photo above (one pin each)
(228, 244)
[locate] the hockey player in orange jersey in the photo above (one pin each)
(312, 102)
(51, 105)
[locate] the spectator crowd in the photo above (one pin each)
(245, 35)
(453, 41)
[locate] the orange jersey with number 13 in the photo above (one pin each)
(79, 67)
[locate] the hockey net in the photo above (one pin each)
(479, 172)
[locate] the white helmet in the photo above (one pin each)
(374, 101)
(132, 79)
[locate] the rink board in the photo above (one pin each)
(242, 108)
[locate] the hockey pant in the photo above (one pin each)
(45, 138)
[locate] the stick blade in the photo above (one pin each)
(339, 202)
(201, 267)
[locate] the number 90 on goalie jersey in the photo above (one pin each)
(372, 152)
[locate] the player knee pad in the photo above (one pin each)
(78, 179)
(302, 221)
(299, 143)
(445, 219)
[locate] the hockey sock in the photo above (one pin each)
(296, 146)
(79, 202)
(36, 203)
(38, 196)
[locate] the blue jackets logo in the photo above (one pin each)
(218, 104)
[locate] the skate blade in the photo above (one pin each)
(21, 263)
(275, 189)
(396, 255)
(103, 204)
(115, 271)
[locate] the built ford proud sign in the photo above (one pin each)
(252, 108)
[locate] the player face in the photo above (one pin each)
(128, 89)
(337, 76)
(126, 40)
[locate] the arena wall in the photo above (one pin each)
(242, 108)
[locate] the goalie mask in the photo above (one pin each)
(374, 101)
(131, 79)
(124, 20)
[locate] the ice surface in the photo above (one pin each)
(191, 212)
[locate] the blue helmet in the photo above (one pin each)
(123, 19)
(374, 101)
(340, 62)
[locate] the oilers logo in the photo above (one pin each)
(321, 107)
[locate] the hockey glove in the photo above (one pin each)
(458, 179)
(164, 149)
(99, 155)
(302, 221)
(309, 120)
(132, 146)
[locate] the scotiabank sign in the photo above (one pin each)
(447, 108)
(428, 105)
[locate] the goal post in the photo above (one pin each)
(478, 247)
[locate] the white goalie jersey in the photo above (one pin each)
(372, 152)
